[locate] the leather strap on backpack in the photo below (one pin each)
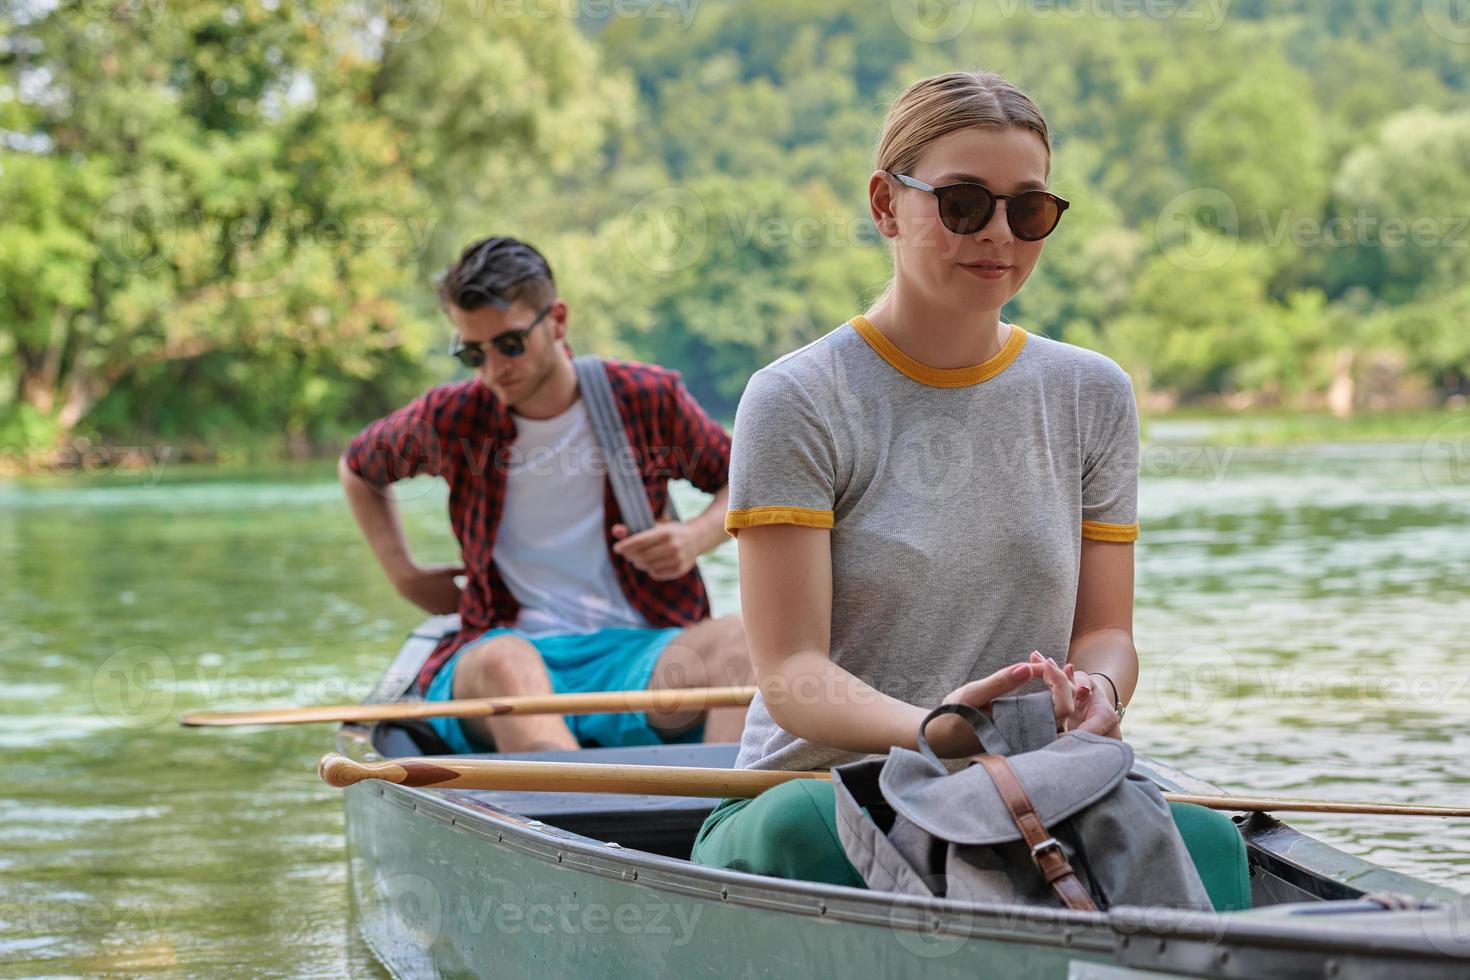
(1045, 850)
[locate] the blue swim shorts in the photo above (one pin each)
(615, 659)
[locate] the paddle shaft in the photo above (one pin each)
(663, 699)
(561, 777)
(444, 772)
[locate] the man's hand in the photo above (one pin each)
(431, 588)
(663, 552)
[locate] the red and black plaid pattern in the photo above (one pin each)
(461, 432)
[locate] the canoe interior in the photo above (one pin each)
(1286, 866)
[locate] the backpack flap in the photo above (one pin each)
(1069, 775)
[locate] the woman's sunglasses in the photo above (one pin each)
(966, 208)
(512, 343)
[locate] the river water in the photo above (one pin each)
(1302, 619)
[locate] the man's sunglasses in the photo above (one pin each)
(966, 208)
(512, 343)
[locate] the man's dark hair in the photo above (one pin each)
(497, 272)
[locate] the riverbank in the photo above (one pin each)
(150, 458)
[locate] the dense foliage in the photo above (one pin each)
(221, 219)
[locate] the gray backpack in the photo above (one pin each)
(1040, 819)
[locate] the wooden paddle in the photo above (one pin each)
(664, 699)
(444, 772)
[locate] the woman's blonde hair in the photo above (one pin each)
(937, 106)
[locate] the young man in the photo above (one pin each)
(559, 595)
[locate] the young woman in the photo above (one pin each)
(927, 493)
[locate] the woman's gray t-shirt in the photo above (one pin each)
(957, 500)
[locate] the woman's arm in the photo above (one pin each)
(1102, 625)
(786, 600)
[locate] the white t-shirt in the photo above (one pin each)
(551, 548)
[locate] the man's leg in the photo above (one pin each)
(711, 653)
(509, 665)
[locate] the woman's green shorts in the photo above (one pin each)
(790, 831)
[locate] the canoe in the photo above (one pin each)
(478, 883)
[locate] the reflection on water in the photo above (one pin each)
(1301, 618)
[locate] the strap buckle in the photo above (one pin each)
(1049, 844)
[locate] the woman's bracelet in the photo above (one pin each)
(1118, 705)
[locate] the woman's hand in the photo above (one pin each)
(1078, 701)
(951, 736)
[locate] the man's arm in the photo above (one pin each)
(431, 587)
(402, 445)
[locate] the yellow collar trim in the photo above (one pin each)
(940, 377)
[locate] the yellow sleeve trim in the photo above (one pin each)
(1098, 531)
(940, 377)
(758, 516)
